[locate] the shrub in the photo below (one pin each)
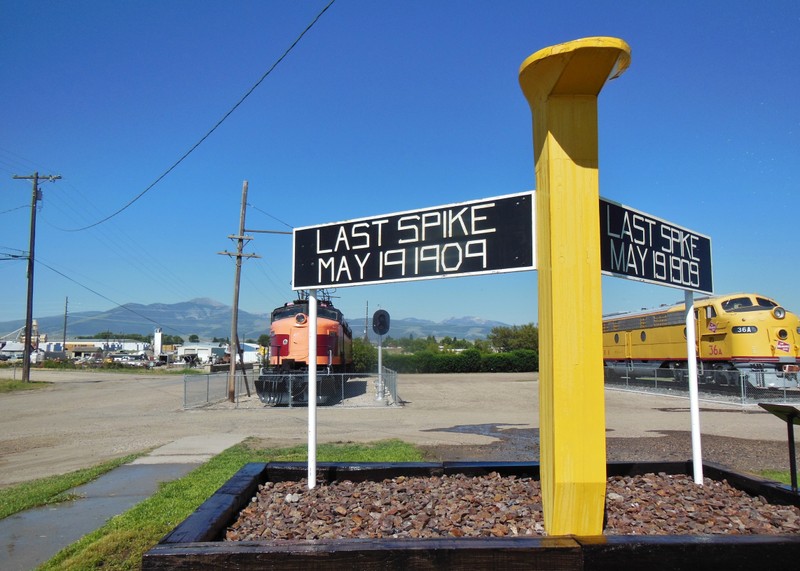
(470, 361)
(497, 363)
(525, 360)
(365, 357)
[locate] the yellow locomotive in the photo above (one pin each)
(284, 379)
(739, 336)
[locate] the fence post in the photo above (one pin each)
(394, 388)
(742, 381)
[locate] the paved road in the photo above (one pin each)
(85, 418)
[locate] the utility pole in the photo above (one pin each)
(366, 320)
(64, 338)
(234, 341)
(26, 354)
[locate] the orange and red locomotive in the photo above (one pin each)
(289, 332)
(284, 378)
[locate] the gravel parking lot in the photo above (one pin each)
(84, 418)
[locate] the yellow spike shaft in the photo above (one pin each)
(561, 84)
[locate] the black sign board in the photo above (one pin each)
(642, 247)
(486, 236)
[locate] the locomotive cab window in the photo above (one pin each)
(643, 336)
(323, 312)
(747, 304)
(288, 311)
(738, 304)
(329, 314)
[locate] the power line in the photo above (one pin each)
(13, 209)
(116, 304)
(5, 256)
(214, 128)
(270, 215)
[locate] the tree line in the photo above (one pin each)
(109, 335)
(166, 339)
(506, 349)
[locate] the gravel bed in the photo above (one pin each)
(497, 506)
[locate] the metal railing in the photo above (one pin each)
(746, 387)
(201, 390)
(271, 389)
(389, 382)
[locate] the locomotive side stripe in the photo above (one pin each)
(749, 359)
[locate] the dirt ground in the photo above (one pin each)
(84, 418)
(740, 454)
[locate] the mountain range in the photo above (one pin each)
(208, 318)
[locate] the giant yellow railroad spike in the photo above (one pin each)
(561, 84)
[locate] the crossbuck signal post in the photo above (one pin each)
(26, 355)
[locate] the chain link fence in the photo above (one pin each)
(748, 386)
(204, 389)
(253, 390)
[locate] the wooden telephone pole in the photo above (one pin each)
(26, 354)
(234, 340)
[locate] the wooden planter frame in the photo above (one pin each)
(197, 542)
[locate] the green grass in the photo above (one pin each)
(53, 489)
(10, 386)
(122, 541)
(777, 476)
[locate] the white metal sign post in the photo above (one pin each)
(312, 389)
(694, 400)
(645, 248)
(493, 235)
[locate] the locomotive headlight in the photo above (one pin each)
(782, 334)
(300, 318)
(779, 313)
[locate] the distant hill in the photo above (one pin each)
(208, 318)
(203, 317)
(470, 328)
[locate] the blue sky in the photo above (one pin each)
(381, 107)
